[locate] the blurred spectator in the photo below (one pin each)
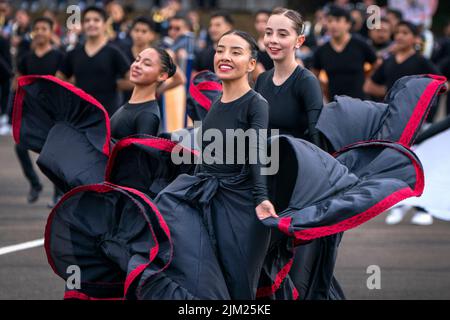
(181, 40)
(426, 42)
(220, 22)
(405, 61)
(344, 57)
(117, 23)
(20, 37)
(442, 49)
(142, 34)
(264, 60)
(162, 16)
(57, 29)
(6, 20)
(381, 38)
(6, 73)
(319, 29)
(201, 34)
(97, 67)
(73, 37)
(394, 16)
(358, 21)
(442, 57)
(43, 59)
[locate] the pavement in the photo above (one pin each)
(414, 261)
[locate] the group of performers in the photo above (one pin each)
(152, 229)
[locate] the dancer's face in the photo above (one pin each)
(281, 38)
(146, 69)
(93, 24)
(233, 59)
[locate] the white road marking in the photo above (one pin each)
(22, 246)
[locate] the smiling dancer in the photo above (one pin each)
(293, 92)
(296, 101)
(141, 114)
(227, 200)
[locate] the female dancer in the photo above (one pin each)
(293, 92)
(141, 114)
(226, 200)
(295, 99)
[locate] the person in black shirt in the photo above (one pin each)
(296, 101)
(381, 38)
(222, 197)
(141, 114)
(5, 81)
(143, 36)
(344, 57)
(219, 24)
(404, 62)
(42, 60)
(293, 92)
(99, 68)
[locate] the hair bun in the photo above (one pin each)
(172, 68)
(167, 63)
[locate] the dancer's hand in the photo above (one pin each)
(265, 210)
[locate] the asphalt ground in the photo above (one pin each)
(414, 261)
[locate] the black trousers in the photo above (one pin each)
(4, 97)
(27, 166)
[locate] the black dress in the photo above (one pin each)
(200, 237)
(226, 244)
(294, 106)
(136, 118)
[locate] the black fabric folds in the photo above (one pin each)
(69, 129)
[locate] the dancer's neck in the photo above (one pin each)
(143, 94)
(283, 70)
(235, 89)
